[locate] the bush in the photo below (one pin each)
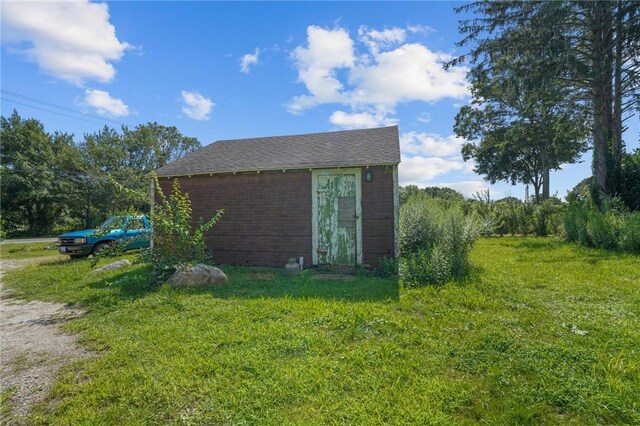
(175, 241)
(387, 268)
(630, 180)
(610, 227)
(435, 240)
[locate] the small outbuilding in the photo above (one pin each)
(331, 198)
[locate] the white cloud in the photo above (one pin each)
(469, 187)
(249, 59)
(361, 120)
(430, 145)
(415, 29)
(71, 40)
(419, 170)
(196, 106)
(326, 52)
(389, 74)
(376, 40)
(411, 72)
(104, 104)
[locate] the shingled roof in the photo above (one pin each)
(317, 150)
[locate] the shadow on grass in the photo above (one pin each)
(257, 283)
(125, 286)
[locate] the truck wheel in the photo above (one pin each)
(99, 247)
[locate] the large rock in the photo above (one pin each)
(114, 265)
(197, 276)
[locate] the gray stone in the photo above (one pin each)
(197, 276)
(114, 265)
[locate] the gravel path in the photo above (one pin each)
(32, 346)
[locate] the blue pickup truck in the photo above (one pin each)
(133, 230)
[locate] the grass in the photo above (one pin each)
(498, 348)
(27, 250)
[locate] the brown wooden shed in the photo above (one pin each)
(331, 198)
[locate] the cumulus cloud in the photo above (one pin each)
(411, 72)
(390, 71)
(196, 106)
(421, 170)
(361, 120)
(380, 39)
(326, 52)
(430, 145)
(104, 104)
(71, 40)
(249, 59)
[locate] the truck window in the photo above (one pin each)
(135, 224)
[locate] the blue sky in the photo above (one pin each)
(235, 70)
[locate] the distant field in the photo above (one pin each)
(541, 333)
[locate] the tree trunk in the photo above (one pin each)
(600, 91)
(545, 175)
(616, 148)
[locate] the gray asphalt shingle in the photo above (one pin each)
(332, 149)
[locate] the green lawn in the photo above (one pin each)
(499, 348)
(27, 250)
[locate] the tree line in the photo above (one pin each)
(549, 80)
(49, 183)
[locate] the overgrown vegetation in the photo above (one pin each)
(435, 240)
(609, 225)
(503, 347)
(176, 242)
(50, 183)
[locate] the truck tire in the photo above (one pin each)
(99, 247)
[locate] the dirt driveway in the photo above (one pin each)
(32, 346)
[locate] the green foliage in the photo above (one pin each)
(609, 226)
(387, 268)
(49, 184)
(630, 180)
(270, 349)
(176, 242)
(435, 240)
(443, 193)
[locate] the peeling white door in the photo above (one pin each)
(336, 217)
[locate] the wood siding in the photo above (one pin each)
(267, 215)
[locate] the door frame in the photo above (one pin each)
(315, 173)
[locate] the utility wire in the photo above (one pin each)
(48, 110)
(50, 104)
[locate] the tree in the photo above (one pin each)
(35, 191)
(126, 157)
(591, 49)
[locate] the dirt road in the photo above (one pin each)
(32, 345)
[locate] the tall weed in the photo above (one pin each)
(435, 240)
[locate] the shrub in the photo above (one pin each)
(435, 240)
(175, 241)
(610, 226)
(387, 268)
(630, 180)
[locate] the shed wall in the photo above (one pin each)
(267, 216)
(377, 215)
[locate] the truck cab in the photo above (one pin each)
(134, 231)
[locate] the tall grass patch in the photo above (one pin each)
(435, 240)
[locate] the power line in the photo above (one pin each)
(53, 105)
(48, 110)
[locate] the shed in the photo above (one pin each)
(331, 198)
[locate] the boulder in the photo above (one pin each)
(114, 265)
(197, 276)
